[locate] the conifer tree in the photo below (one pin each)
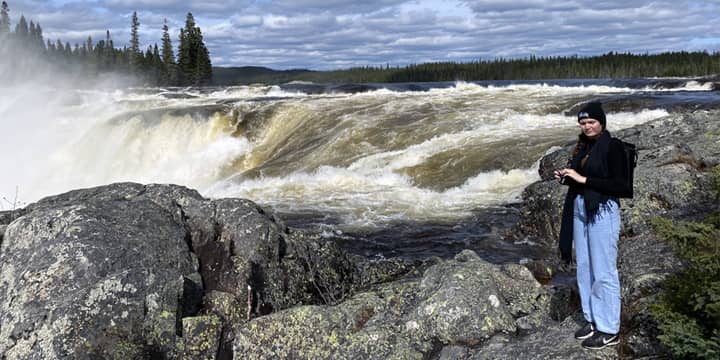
(147, 61)
(35, 39)
(169, 69)
(109, 53)
(194, 63)
(157, 65)
(185, 61)
(21, 29)
(38, 39)
(4, 19)
(135, 54)
(204, 66)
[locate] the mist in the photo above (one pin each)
(43, 107)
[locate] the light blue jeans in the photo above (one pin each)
(596, 256)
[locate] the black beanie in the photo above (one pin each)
(593, 110)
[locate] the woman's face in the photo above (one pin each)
(590, 127)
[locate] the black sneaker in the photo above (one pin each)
(600, 340)
(586, 331)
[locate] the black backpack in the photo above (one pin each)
(631, 155)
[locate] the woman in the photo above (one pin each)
(596, 176)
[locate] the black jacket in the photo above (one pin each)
(606, 171)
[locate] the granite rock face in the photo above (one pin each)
(102, 278)
(125, 271)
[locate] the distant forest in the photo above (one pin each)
(610, 65)
(155, 66)
(192, 65)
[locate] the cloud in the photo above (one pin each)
(340, 33)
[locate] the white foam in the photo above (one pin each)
(691, 85)
(254, 91)
(372, 197)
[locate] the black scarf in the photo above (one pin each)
(595, 166)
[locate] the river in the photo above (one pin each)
(411, 170)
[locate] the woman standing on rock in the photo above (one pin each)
(596, 176)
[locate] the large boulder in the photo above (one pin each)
(94, 278)
(131, 271)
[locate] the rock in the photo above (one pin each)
(454, 352)
(113, 271)
(555, 341)
(564, 300)
(202, 337)
(462, 302)
(97, 277)
(6, 217)
(644, 262)
(381, 271)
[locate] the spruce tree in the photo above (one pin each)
(4, 19)
(186, 61)
(35, 39)
(135, 54)
(169, 71)
(193, 57)
(21, 29)
(157, 65)
(147, 62)
(204, 66)
(38, 38)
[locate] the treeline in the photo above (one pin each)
(154, 66)
(610, 65)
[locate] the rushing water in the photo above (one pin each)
(395, 169)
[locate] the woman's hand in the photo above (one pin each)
(559, 174)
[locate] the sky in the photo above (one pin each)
(335, 34)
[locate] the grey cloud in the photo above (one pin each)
(335, 6)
